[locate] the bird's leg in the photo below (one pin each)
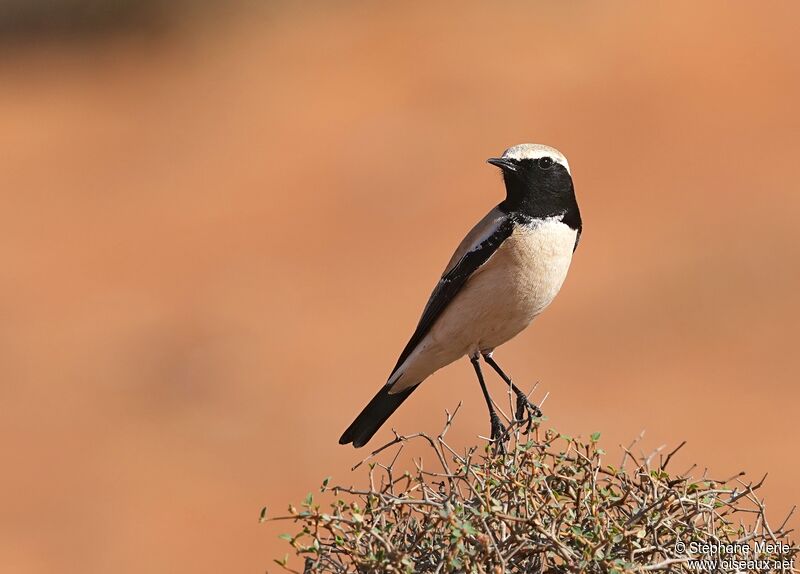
(499, 432)
(524, 406)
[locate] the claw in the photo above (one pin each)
(520, 412)
(499, 433)
(524, 406)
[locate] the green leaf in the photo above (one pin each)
(595, 436)
(469, 529)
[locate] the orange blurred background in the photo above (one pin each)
(219, 228)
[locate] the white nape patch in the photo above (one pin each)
(535, 151)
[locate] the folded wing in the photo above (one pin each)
(475, 250)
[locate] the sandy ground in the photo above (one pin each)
(216, 241)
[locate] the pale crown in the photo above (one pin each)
(535, 151)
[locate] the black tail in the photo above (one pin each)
(373, 416)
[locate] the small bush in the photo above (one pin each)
(548, 505)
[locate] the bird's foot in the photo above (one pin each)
(526, 412)
(500, 434)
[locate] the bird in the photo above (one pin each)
(504, 273)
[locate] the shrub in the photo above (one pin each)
(548, 505)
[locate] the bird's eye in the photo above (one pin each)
(546, 162)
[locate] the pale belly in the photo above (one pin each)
(500, 300)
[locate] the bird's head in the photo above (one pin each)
(537, 177)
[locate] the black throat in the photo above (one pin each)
(536, 194)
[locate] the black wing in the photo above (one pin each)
(452, 282)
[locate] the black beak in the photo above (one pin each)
(503, 163)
